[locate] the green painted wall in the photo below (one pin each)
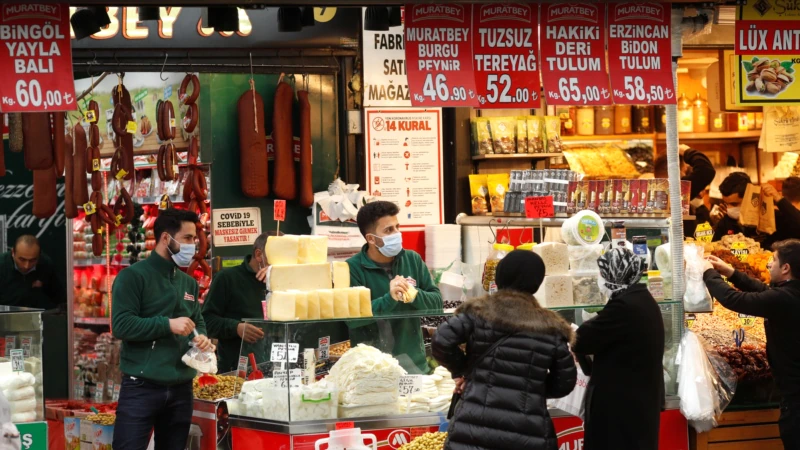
(220, 144)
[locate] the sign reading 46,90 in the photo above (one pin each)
(439, 55)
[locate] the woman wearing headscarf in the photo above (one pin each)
(625, 395)
(517, 357)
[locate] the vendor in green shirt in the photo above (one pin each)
(27, 277)
(235, 294)
(388, 270)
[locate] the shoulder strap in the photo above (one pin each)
(483, 355)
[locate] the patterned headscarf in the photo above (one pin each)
(620, 268)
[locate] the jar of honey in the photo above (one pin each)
(604, 120)
(622, 119)
(718, 122)
(569, 119)
(585, 121)
(642, 118)
(660, 118)
(700, 114)
(685, 114)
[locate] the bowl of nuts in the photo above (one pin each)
(768, 77)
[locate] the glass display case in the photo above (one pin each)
(21, 362)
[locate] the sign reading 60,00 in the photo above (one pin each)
(439, 55)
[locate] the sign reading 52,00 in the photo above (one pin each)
(439, 55)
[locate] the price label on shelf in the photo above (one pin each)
(27, 344)
(11, 343)
(279, 210)
(746, 320)
(280, 352)
(690, 319)
(505, 49)
(324, 347)
(242, 367)
(573, 54)
(640, 53)
(17, 361)
(539, 207)
(99, 391)
(115, 396)
(410, 384)
(36, 62)
(439, 55)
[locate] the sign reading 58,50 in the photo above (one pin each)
(439, 55)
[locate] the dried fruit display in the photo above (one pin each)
(749, 362)
(768, 77)
(226, 387)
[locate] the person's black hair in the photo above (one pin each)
(27, 239)
(791, 189)
(735, 183)
(372, 212)
(520, 270)
(789, 253)
(261, 241)
(661, 166)
(171, 220)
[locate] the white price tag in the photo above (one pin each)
(115, 397)
(27, 344)
(17, 361)
(280, 353)
(242, 367)
(294, 378)
(11, 343)
(410, 384)
(110, 388)
(98, 392)
(324, 347)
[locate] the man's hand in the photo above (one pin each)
(718, 212)
(203, 343)
(720, 266)
(461, 384)
(397, 288)
(182, 326)
(250, 333)
(261, 275)
(769, 191)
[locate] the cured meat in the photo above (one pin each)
(306, 190)
(253, 164)
(191, 98)
(15, 140)
(79, 158)
(58, 142)
(45, 197)
(38, 148)
(284, 183)
(70, 205)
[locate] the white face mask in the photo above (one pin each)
(734, 212)
(184, 256)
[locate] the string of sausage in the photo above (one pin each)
(283, 183)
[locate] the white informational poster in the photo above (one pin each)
(404, 162)
(235, 226)
(384, 64)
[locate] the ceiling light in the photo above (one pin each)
(395, 16)
(149, 13)
(84, 24)
(377, 19)
(308, 16)
(100, 15)
(290, 19)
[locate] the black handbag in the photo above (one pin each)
(457, 397)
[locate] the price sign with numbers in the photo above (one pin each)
(505, 49)
(746, 320)
(27, 344)
(36, 62)
(279, 352)
(539, 207)
(99, 391)
(439, 55)
(640, 53)
(573, 54)
(279, 210)
(115, 395)
(410, 384)
(690, 319)
(324, 347)
(17, 361)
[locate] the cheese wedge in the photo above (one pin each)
(354, 302)
(281, 306)
(365, 301)
(282, 250)
(325, 303)
(312, 298)
(341, 303)
(410, 294)
(313, 250)
(341, 274)
(302, 277)
(301, 305)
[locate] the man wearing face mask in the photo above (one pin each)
(27, 277)
(156, 313)
(235, 294)
(389, 271)
(726, 214)
(779, 305)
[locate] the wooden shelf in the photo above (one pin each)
(515, 156)
(754, 134)
(610, 137)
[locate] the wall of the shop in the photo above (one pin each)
(220, 144)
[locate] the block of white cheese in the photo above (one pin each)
(555, 257)
(312, 250)
(354, 301)
(282, 250)
(365, 300)
(312, 299)
(341, 274)
(556, 291)
(301, 277)
(325, 303)
(301, 305)
(281, 306)
(341, 303)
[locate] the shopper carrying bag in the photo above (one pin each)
(517, 357)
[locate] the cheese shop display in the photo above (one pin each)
(368, 382)
(301, 277)
(556, 291)
(320, 304)
(555, 257)
(267, 399)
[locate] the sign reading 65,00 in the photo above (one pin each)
(439, 55)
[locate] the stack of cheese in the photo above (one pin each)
(265, 400)
(304, 286)
(556, 289)
(444, 381)
(427, 399)
(368, 382)
(19, 389)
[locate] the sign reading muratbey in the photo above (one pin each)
(639, 53)
(505, 55)
(573, 54)
(439, 55)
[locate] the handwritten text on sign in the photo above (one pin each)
(279, 210)
(539, 207)
(639, 53)
(439, 55)
(573, 54)
(36, 58)
(505, 52)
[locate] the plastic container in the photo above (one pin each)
(700, 114)
(585, 291)
(499, 251)
(583, 259)
(528, 246)
(685, 115)
(350, 439)
(583, 228)
(655, 284)
(642, 118)
(585, 120)
(604, 120)
(622, 119)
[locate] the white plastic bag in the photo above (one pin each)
(574, 402)
(203, 362)
(696, 298)
(706, 383)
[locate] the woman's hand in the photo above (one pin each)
(461, 384)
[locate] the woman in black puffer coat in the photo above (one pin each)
(503, 404)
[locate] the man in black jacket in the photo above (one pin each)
(779, 305)
(695, 168)
(787, 218)
(726, 214)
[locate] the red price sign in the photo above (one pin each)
(640, 53)
(505, 50)
(36, 61)
(539, 207)
(573, 54)
(439, 55)
(279, 210)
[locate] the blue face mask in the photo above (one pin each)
(184, 257)
(392, 244)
